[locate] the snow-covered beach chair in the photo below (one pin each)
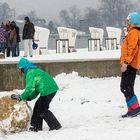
(41, 38)
(66, 41)
(112, 42)
(95, 43)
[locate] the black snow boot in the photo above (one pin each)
(35, 129)
(133, 113)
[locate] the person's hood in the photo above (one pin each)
(26, 65)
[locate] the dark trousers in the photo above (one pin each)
(127, 82)
(2, 47)
(8, 51)
(41, 112)
(11, 49)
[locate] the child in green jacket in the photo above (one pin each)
(38, 82)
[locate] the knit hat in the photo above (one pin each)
(26, 19)
(134, 18)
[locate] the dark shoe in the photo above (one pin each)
(133, 113)
(125, 115)
(31, 56)
(35, 129)
(56, 128)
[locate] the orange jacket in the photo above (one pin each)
(130, 49)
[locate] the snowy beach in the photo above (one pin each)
(89, 109)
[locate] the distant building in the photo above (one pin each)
(39, 22)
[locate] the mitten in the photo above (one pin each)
(15, 97)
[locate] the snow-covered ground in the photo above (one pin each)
(80, 55)
(88, 109)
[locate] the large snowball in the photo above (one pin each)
(14, 115)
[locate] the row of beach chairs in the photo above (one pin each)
(67, 38)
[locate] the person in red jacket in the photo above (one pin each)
(130, 63)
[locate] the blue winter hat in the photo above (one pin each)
(134, 18)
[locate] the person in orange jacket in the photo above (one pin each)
(130, 63)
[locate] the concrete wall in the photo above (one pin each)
(11, 78)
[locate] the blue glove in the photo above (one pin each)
(15, 97)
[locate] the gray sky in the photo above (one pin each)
(48, 9)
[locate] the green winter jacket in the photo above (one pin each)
(37, 81)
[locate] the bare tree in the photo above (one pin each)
(65, 17)
(52, 27)
(70, 17)
(114, 12)
(75, 16)
(34, 18)
(32, 15)
(6, 13)
(92, 16)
